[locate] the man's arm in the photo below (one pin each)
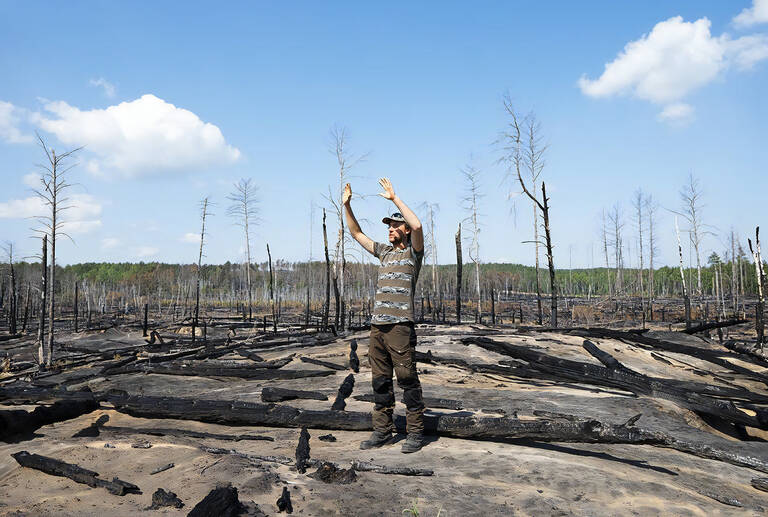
(417, 234)
(352, 224)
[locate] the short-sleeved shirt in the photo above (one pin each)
(398, 274)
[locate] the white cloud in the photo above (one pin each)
(758, 13)
(82, 216)
(674, 59)
(190, 237)
(142, 137)
(678, 113)
(109, 88)
(10, 117)
(109, 243)
(31, 180)
(146, 251)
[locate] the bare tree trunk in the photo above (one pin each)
(45, 354)
(272, 291)
(686, 298)
(734, 276)
(327, 304)
(74, 306)
(458, 275)
(26, 310)
(760, 275)
(14, 296)
(550, 259)
(195, 319)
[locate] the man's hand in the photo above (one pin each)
(389, 192)
(346, 195)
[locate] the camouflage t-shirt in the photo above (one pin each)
(398, 274)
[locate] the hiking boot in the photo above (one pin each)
(377, 439)
(413, 443)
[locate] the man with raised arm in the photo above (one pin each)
(393, 338)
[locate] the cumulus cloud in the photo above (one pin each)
(109, 88)
(758, 13)
(146, 251)
(141, 137)
(678, 113)
(82, 216)
(674, 59)
(190, 237)
(10, 117)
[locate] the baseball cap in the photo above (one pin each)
(396, 217)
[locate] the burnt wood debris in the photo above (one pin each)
(198, 394)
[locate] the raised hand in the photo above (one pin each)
(346, 195)
(389, 192)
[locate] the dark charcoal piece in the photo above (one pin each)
(354, 361)
(73, 472)
(332, 366)
(281, 394)
(162, 498)
(327, 438)
(284, 502)
(363, 466)
(345, 390)
(330, 473)
(93, 429)
(302, 451)
(222, 501)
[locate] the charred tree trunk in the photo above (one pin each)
(550, 259)
(272, 291)
(74, 306)
(327, 304)
(45, 354)
(458, 275)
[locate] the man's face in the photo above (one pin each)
(398, 232)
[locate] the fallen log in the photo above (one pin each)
(329, 472)
(269, 394)
(578, 430)
(282, 460)
(760, 484)
(15, 422)
(714, 325)
(318, 362)
(430, 402)
(185, 433)
(249, 372)
(165, 467)
(74, 472)
(629, 381)
(364, 466)
(253, 356)
(161, 498)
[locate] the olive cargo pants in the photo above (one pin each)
(393, 347)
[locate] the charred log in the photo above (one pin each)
(430, 402)
(302, 451)
(318, 362)
(161, 499)
(363, 466)
(714, 325)
(15, 422)
(75, 473)
(281, 394)
(332, 474)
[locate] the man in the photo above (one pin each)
(393, 339)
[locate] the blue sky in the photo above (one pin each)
(176, 101)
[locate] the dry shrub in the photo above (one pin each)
(584, 313)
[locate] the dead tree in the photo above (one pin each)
(639, 203)
(272, 291)
(203, 215)
(327, 304)
(45, 353)
(760, 274)
(458, 275)
(686, 298)
(651, 209)
(245, 212)
(431, 209)
(52, 192)
(734, 275)
(471, 201)
(690, 196)
(617, 225)
(346, 162)
(13, 302)
(525, 152)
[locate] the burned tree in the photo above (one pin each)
(52, 194)
(760, 274)
(524, 150)
(245, 212)
(13, 301)
(686, 298)
(203, 214)
(458, 275)
(471, 201)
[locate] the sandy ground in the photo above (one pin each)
(471, 477)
